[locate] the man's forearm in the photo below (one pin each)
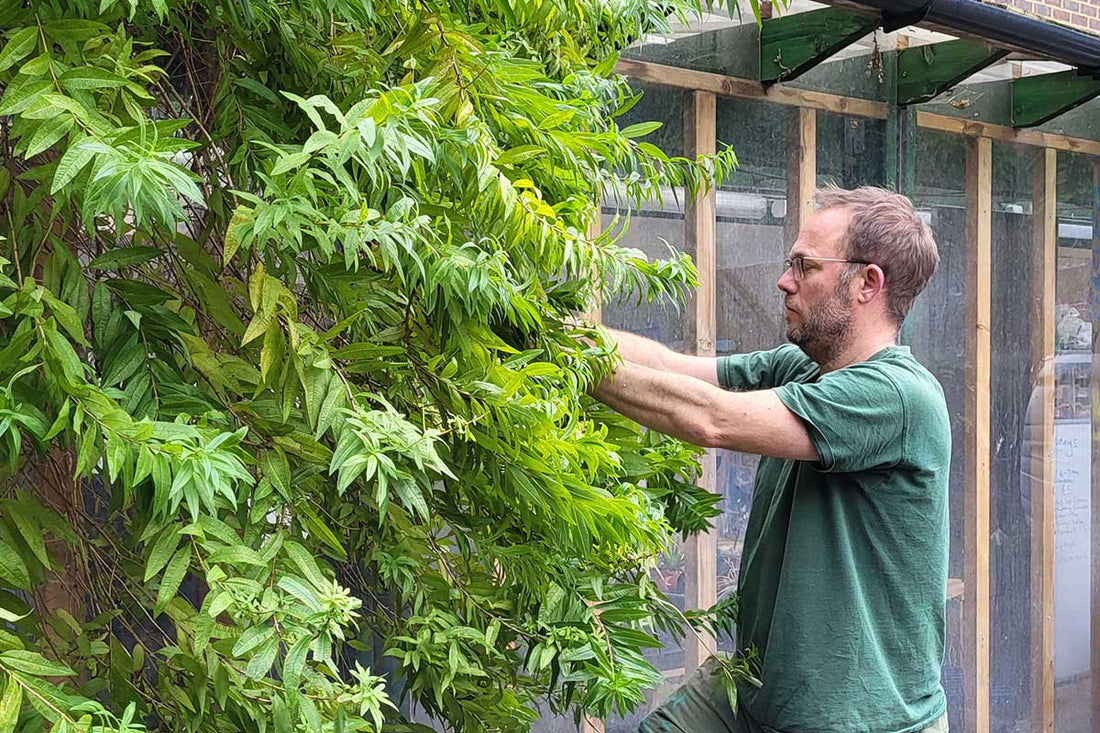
(641, 350)
(703, 414)
(649, 353)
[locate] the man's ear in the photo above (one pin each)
(872, 284)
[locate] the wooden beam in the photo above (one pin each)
(927, 71)
(979, 207)
(1044, 203)
(1094, 300)
(701, 550)
(791, 45)
(1042, 97)
(801, 171)
(731, 86)
(960, 126)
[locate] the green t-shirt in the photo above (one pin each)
(843, 580)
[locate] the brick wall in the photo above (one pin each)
(1081, 14)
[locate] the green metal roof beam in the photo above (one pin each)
(793, 44)
(1037, 99)
(926, 71)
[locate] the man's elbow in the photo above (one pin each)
(708, 434)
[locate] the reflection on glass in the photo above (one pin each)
(1072, 443)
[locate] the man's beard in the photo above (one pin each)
(826, 331)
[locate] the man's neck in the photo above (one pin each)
(860, 350)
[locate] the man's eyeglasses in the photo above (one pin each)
(797, 265)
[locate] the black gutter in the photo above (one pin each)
(997, 25)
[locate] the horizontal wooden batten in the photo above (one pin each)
(732, 86)
(945, 123)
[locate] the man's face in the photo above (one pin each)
(819, 305)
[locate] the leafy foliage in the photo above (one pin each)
(293, 420)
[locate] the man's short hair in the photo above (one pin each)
(884, 229)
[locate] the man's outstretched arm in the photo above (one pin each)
(655, 355)
(706, 415)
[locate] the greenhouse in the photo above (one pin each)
(1005, 324)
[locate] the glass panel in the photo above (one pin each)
(851, 151)
(934, 330)
(1012, 604)
(1072, 431)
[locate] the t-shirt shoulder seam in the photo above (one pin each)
(904, 416)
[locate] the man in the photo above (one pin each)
(844, 569)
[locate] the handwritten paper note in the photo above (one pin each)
(1072, 525)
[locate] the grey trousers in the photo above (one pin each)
(700, 706)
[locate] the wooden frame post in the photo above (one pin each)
(701, 550)
(1044, 204)
(979, 159)
(801, 171)
(1094, 388)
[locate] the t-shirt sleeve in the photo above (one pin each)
(760, 369)
(855, 417)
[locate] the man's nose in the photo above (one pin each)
(787, 282)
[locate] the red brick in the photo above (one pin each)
(1072, 6)
(1061, 16)
(1090, 10)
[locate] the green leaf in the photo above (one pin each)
(33, 663)
(72, 162)
(19, 47)
(12, 568)
(62, 350)
(221, 602)
(520, 154)
(319, 528)
(640, 130)
(48, 134)
(275, 469)
(89, 77)
(235, 555)
(29, 529)
(289, 162)
(296, 588)
(306, 565)
(10, 705)
(295, 662)
(122, 365)
(162, 551)
(67, 316)
(21, 93)
(258, 325)
(251, 638)
(318, 140)
(173, 577)
(261, 662)
(281, 716)
(116, 258)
